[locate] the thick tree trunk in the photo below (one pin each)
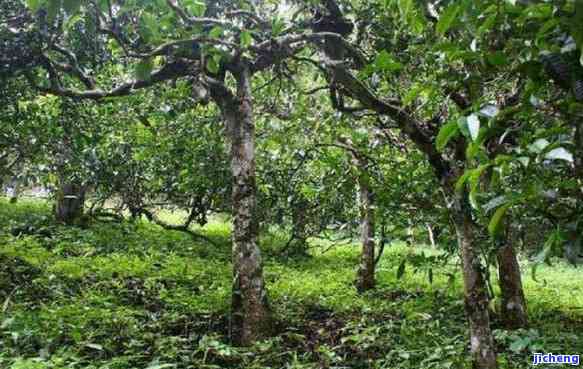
(475, 289)
(513, 307)
(250, 309)
(70, 203)
(366, 272)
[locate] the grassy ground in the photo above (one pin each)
(121, 296)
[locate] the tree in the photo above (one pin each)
(366, 271)
(447, 169)
(361, 163)
(215, 47)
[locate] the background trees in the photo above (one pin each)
(389, 114)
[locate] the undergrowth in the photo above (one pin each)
(132, 295)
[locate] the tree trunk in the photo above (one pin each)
(70, 203)
(410, 235)
(366, 272)
(475, 289)
(299, 244)
(578, 157)
(513, 307)
(249, 306)
(15, 193)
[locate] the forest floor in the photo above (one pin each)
(123, 295)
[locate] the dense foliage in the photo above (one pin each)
(453, 124)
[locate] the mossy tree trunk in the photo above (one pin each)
(366, 271)
(250, 312)
(70, 202)
(16, 187)
(475, 288)
(299, 244)
(513, 306)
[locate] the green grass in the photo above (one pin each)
(121, 296)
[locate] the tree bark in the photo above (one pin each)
(475, 289)
(513, 309)
(366, 272)
(299, 244)
(578, 156)
(70, 203)
(476, 296)
(251, 316)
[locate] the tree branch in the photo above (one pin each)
(180, 228)
(74, 66)
(167, 72)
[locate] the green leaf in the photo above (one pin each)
(555, 238)
(494, 203)
(475, 175)
(472, 150)
(213, 63)
(405, 7)
(547, 28)
(72, 21)
(533, 270)
(459, 185)
(488, 24)
(196, 7)
(447, 18)
(446, 133)
(277, 26)
(412, 94)
(143, 69)
(497, 58)
(149, 27)
(384, 62)
(471, 175)
(539, 145)
(216, 32)
(524, 160)
(246, 39)
(520, 344)
(34, 5)
(463, 125)
(494, 225)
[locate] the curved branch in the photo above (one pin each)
(73, 66)
(165, 48)
(171, 227)
(167, 72)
